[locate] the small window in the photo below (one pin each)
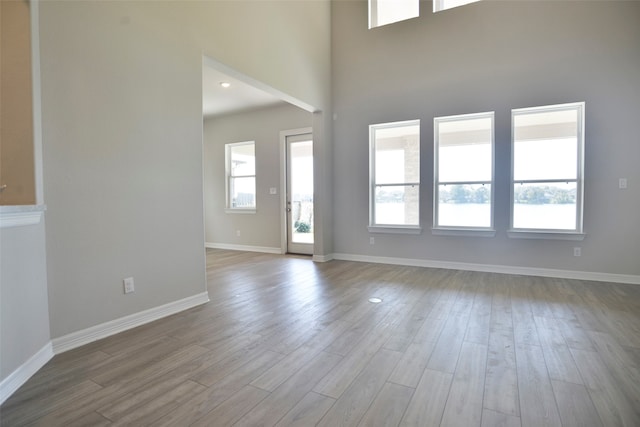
(440, 5)
(547, 162)
(241, 176)
(463, 185)
(383, 12)
(395, 174)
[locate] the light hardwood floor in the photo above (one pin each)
(288, 342)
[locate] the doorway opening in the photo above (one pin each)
(228, 94)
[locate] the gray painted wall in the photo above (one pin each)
(493, 56)
(262, 126)
(122, 164)
(122, 124)
(24, 309)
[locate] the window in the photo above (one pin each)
(547, 162)
(440, 5)
(383, 12)
(395, 174)
(241, 176)
(463, 184)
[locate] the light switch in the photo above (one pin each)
(622, 183)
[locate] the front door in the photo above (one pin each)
(299, 197)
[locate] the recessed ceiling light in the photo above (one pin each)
(375, 300)
(225, 84)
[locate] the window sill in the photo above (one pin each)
(240, 211)
(392, 229)
(550, 235)
(463, 232)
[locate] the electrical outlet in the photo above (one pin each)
(577, 251)
(237, 233)
(128, 285)
(372, 241)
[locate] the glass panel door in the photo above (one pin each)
(300, 194)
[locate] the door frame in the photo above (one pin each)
(283, 183)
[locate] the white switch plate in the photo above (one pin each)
(622, 183)
(273, 190)
(128, 285)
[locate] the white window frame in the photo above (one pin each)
(440, 5)
(229, 179)
(373, 12)
(472, 231)
(388, 228)
(559, 234)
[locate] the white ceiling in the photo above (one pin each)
(240, 96)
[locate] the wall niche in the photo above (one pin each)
(17, 168)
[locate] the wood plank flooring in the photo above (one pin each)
(288, 342)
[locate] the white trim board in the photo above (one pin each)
(246, 248)
(504, 269)
(17, 378)
(19, 216)
(94, 333)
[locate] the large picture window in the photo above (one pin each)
(547, 162)
(463, 185)
(395, 174)
(241, 176)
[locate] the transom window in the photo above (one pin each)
(463, 185)
(241, 176)
(395, 174)
(547, 162)
(383, 12)
(440, 5)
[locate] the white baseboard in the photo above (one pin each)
(94, 333)
(76, 339)
(17, 378)
(505, 269)
(247, 248)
